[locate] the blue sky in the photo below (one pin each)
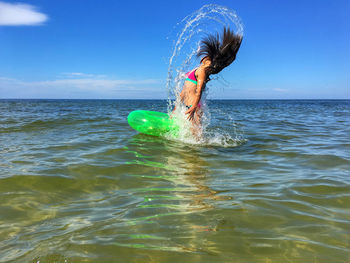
(119, 49)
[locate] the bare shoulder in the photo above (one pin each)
(201, 74)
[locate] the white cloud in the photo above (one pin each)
(18, 14)
(82, 75)
(280, 90)
(91, 84)
(78, 88)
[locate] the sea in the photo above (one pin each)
(269, 183)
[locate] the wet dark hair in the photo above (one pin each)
(221, 53)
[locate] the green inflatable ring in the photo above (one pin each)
(152, 123)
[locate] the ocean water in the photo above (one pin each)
(77, 184)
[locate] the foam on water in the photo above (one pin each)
(210, 19)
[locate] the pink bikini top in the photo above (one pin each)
(191, 76)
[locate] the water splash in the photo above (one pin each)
(209, 19)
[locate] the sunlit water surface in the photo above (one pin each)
(77, 184)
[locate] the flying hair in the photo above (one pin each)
(220, 50)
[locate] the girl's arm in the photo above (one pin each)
(202, 76)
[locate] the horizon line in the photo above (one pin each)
(160, 99)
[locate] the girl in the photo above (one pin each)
(217, 54)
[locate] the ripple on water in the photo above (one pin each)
(82, 192)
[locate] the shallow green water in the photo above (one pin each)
(77, 184)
